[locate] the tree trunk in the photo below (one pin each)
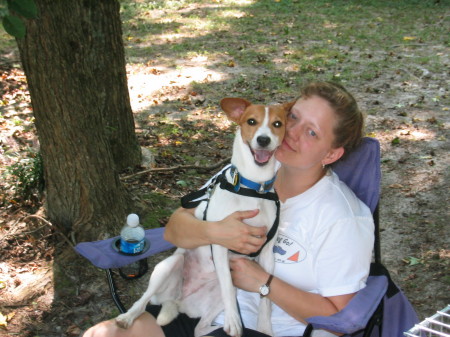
(73, 58)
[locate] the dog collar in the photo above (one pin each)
(238, 180)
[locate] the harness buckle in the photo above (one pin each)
(235, 178)
(262, 189)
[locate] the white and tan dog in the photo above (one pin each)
(198, 282)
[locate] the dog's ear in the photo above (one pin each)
(234, 107)
(288, 106)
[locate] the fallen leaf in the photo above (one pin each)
(230, 64)
(73, 330)
(395, 141)
(3, 322)
(5, 319)
(182, 183)
(412, 261)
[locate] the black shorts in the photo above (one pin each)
(184, 326)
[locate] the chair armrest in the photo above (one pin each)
(102, 254)
(359, 310)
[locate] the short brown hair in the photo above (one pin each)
(350, 121)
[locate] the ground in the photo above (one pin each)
(411, 123)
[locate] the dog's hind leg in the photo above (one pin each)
(164, 285)
(232, 322)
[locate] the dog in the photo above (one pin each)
(192, 281)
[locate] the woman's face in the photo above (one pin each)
(309, 135)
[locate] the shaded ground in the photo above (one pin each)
(180, 125)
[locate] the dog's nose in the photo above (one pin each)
(263, 141)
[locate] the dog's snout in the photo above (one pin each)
(263, 141)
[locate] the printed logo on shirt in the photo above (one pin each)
(287, 250)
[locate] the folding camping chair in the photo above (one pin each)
(380, 309)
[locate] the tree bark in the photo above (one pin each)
(73, 58)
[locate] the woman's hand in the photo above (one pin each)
(186, 231)
(234, 234)
(247, 274)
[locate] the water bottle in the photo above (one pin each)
(132, 241)
(132, 236)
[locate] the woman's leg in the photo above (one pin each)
(144, 326)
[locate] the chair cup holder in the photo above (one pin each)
(116, 246)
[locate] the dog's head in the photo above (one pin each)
(262, 127)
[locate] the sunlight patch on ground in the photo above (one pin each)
(153, 86)
(235, 14)
(416, 134)
(406, 133)
(20, 283)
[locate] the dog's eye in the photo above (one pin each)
(251, 121)
(277, 124)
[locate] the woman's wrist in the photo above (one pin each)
(218, 233)
(209, 228)
(258, 277)
(265, 289)
(185, 230)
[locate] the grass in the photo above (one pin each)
(292, 41)
(164, 207)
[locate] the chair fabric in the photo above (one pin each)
(398, 315)
(361, 171)
(356, 314)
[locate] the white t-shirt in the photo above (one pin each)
(324, 246)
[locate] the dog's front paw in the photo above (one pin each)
(124, 321)
(232, 324)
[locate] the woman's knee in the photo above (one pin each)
(106, 328)
(144, 325)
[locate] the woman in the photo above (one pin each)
(325, 240)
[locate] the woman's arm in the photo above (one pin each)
(249, 276)
(185, 230)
